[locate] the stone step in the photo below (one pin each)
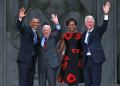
(15, 83)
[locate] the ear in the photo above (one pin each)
(50, 32)
(30, 23)
(42, 31)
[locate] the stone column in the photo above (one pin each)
(118, 37)
(2, 42)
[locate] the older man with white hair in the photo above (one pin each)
(48, 58)
(93, 54)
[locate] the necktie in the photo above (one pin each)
(45, 45)
(88, 40)
(88, 37)
(35, 38)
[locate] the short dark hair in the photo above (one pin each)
(34, 18)
(69, 20)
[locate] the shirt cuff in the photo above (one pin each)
(58, 27)
(20, 19)
(105, 17)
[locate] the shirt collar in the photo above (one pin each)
(44, 38)
(90, 30)
(33, 30)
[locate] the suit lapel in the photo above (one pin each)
(37, 36)
(48, 42)
(92, 34)
(47, 45)
(84, 35)
(31, 32)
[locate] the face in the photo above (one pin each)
(35, 23)
(89, 24)
(71, 26)
(46, 31)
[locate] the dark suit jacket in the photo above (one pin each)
(94, 44)
(26, 45)
(50, 52)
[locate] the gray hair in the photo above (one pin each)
(45, 26)
(89, 17)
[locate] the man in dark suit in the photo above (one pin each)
(48, 59)
(27, 54)
(93, 55)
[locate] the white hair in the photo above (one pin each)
(89, 17)
(45, 26)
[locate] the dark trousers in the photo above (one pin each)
(26, 71)
(50, 74)
(92, 72)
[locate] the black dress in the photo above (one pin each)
(71, 69)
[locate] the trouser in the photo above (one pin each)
(50, 74)
(26, 71)
(92, 72)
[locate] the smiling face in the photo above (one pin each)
(46, 31)
(89, 23)
(35, 23)
(71, 26)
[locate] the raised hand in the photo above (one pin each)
(22, 13)
(106, 7)
(54, 19)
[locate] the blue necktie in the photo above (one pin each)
(35, 38)
(88, 40)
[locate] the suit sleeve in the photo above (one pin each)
(103, 27)
(37, 46)
(58, 35)
(19, 26)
